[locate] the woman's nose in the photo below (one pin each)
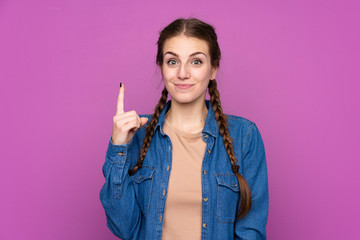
(184, 72)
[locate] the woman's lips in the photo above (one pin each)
(184, 86)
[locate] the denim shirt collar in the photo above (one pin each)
(210, 127)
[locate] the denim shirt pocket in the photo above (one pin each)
(227, 197)
(143, 179)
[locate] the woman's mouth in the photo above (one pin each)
(184, 86)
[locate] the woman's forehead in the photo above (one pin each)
(183, 45)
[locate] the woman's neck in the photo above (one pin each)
(188, 117)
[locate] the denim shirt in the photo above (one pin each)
(134, 205)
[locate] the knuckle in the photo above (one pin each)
(134, 124)
(119, 126)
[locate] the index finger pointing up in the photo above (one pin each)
(120, 102)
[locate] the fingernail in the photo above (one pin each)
(120, 84)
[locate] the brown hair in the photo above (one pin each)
(193, 27)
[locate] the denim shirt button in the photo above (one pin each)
(209, 151)
(205, 172)
(121, 153)
(204, 225)
(206, 199)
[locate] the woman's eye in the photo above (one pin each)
(171, 62)
(197, 61)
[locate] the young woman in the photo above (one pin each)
(188, 171)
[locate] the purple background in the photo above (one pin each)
(291, 67)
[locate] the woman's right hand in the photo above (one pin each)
(125, 124)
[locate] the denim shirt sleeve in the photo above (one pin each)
(253, 226)
(117, 194)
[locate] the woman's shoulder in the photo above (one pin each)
(238, 120)
(234, 120)
(239, 126)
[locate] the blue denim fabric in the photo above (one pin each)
(134, 205)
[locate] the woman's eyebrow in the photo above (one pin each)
(195, 53)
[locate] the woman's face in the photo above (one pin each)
(186, 68)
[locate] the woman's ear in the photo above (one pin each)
(213, 72)
(160, 67)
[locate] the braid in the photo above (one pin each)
(150, 131)
(245, 193)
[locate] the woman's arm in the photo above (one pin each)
(253, 226)
(117, 194)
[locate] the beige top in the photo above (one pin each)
(182, 214)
